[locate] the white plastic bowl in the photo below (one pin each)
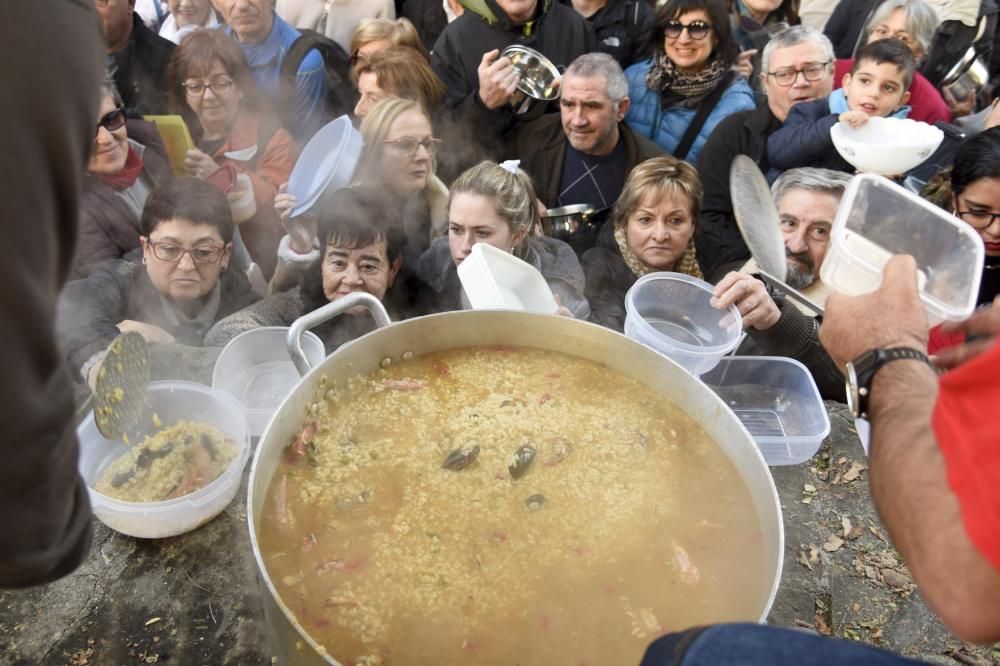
(887, 146)
(172, 401)
(778, 403)
(497, 280)
(670, 313)
(326, 163)
(256, 370)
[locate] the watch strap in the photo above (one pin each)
(866, 365)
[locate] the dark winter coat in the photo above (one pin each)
(804, 140)
(90, 309)
(108, 227)
(541, 147)
(718, 241)
(608, 280)
(141, 71)
(622, 29)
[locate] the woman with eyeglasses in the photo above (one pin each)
(495, 204)
(397, 160)
(975, 199)
(171, 291)
(239, 149)
(362, 243)
(127, 160)
(688, 86)
(911, 22)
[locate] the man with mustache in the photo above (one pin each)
(807, 201)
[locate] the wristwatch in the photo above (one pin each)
(861, 371)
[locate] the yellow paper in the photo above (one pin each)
(176, 139)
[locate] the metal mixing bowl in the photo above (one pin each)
(539, 78)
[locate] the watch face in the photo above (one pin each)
(853, 399)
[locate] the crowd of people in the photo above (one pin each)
(656, 101)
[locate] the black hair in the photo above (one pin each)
(352, 218)
(978, 157)
(892, 51)
(725, 48)
(191, 199)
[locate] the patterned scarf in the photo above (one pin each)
(687, 263)
(125, 178)
(664, 76)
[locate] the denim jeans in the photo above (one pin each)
(759, 645)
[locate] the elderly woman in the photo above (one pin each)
(185, 17)
(911, 22)
(495, 204)
(173, 291)
(374, 34)
(127, 161)
(651, 230)
(398, 71)
(238, 149)
(975, 199)
(362, 243)
(687, 87)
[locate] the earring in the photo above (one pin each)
(144, 261)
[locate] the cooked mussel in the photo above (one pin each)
(461, 458)
(521, 461)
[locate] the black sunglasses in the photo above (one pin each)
(112, 120)
(695, 29)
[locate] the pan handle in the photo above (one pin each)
(325, 313)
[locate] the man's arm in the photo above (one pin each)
(908, 473)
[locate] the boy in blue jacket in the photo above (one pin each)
(878, 85)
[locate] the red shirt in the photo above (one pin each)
(926, 103)
(968, 435)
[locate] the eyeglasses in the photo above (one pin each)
(408, 146)
(695, 29)
(173, 253)
(813, 71)
(111, 121)
(979, 219)
(219, 86)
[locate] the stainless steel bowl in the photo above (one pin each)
(539, 79)
(969, 74)
(569, 221)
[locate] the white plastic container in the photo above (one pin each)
(878, 219)
(777, 401)
(671, 314)
(254, 367)
(172, 401)
(888, 146)
(326, 163)
(497, 280)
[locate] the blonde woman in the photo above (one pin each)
(651, 229)
(495, 204)
(397, 160)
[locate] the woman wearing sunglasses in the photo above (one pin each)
(172, 291)
(127, 160)
(238, 149)
(688, 86)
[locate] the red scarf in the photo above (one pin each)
(125, 178)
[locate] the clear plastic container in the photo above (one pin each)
(172, 401)
(878, 219)
(671, 313)
(777, 401)
(255, 368)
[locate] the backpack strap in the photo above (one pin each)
(700, 116)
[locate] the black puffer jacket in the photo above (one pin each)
(141, 71)
(718, 241)
(558, 32)
(89, 310)
(622, 29)
(608, 280)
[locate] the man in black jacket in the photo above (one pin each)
(137, 56)
(808, 56)
(53, 103)
(480, 83)
(583, 155)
